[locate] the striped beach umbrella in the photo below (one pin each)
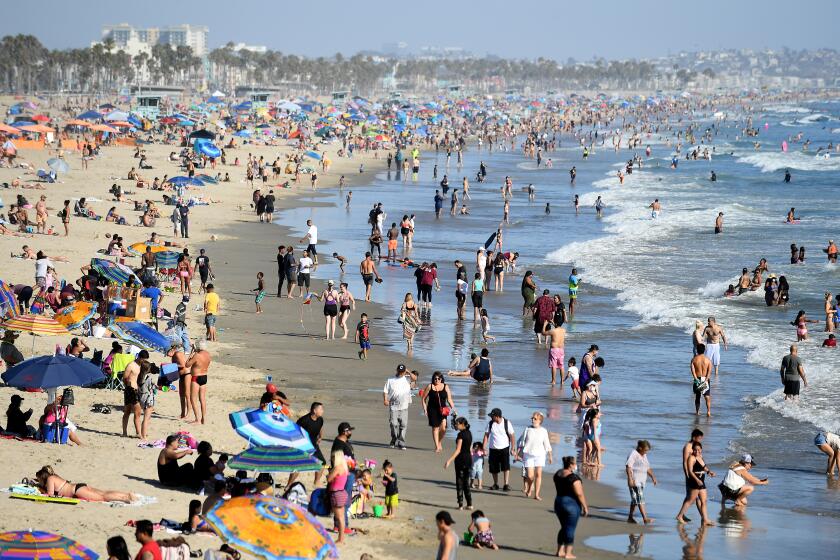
(270, 429)
(76, 315)
(114, 272)
(271, 528)
(167, 259)
(40, 545)
(141, 334)
(35, 324)
(8, 301)
(275, 459)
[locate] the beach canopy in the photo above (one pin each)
(141, 335)
(103, 128)
(40, 545)
(267, 429)
(271, 528)
(275, 459)
(203, 133)
(90, 116)
(114, 272)
(47, 372)
(116, 116)
(183, 180)
(8, 129)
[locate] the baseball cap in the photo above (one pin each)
(344, 426)
(16, 398)
(270, 388)
(445, 517)
(746, 458)
(401, 368)
(496, 412)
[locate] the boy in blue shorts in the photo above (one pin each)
(363, 336)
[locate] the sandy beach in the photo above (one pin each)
(283, 342)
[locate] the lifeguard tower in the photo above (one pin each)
(338, 96)
(259, 99)
(147, 106)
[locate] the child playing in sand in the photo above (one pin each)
(481, 531)
(363, 336)
(364, 489)
(477, 473)
(260, 289)
(485, 327)
(392, 496)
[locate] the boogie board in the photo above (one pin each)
(490, 240)
(50, 499)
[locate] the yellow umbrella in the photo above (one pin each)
(140, 248)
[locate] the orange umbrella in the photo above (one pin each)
(121, 123)
(8, 129)
(77, 122)
(103, 128)
(37, 128)
(40, 118)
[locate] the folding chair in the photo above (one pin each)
(113, 378)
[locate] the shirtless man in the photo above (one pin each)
(41, 214)
(719, 223)
(744, 281)
(713, 334)
(184, 378)
(198, 364)
(393, 237)
(655, 208)
(556, 352)
(701, 369)
(367, 268)
(131, 400)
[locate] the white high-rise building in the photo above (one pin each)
(128, 37)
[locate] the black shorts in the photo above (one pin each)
(478, 299)
(130, 396)
(203, 274)
(499, 460)
(367, 279)
(303, 279)
(330, 310)
(290, 277)
(200, 380)
(311, 250)
(792, 388)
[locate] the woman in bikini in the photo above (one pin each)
(50, 484)
(346, 304)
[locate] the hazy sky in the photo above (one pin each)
(556, 29)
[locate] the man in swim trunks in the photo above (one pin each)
(713, 335)
(367, 268)
(393, 236)
(176, 353)
(574, 284)
(131, 402)
(556, 353)
(719, 223)
(701, 369)
(792, 371)
(744, 281)
(655, 208)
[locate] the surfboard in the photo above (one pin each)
(48, 499)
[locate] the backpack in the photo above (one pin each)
(319, 503)
(508, 428)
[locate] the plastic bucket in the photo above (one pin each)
(378, 510)
(49, 434)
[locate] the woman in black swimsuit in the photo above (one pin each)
(330, 299)
(695, 485)
(437, 406)
(50, 484)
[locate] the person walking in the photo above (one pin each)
(638, 470)
(437, 406)
(397, 397)
(462, 458)
(533, 450)
(569, 505)
(499, 439)
(791, 372)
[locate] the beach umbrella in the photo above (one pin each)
(208, 179)
(140, 248)
(40, 118)
(141, 334)
(167, 259)
(116, 116)
(244, 133)
(183, 180)
(114, 272)
(275, 459)
(90, 116)
(40, 545)
(35, 324)
(58, 165)
(313, 155)
(203, 133)
(47, 372)
(76, 315)
(271, 528)
(266, 429)
(8, 302)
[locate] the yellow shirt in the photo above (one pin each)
(211, 303)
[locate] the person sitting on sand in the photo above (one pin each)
(481, 531)
(51, 484)
(49, 418)
(148, 220)
(195, 522)
(113, 216)
(170, 473)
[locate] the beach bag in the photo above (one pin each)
(319, 503)
(296, 493)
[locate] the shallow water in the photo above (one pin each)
(644, 284)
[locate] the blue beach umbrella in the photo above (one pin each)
(141, 334)
(275, 459)
(267, 429)
(58, 165)
(114, 272)
(313, 155)
(167, 259)
(46, 372)
(183, 180)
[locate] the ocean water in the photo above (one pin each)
(645, 282)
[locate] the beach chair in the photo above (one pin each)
(113, 379)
